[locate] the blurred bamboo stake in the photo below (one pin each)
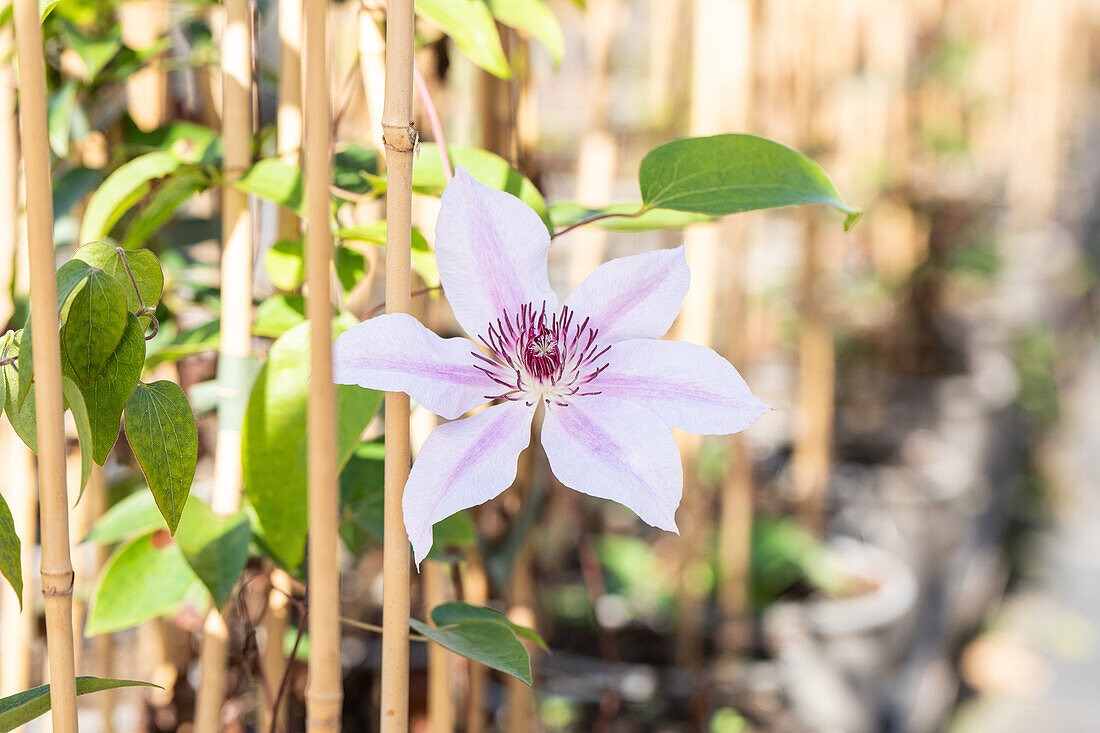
(236, 327)
(274, 661)
(18, 629)
(57, 569)
(324, 694)
(289, 132)
(441, 711)
(598, 151)
(372, 67)
(143, 22)
(476, 587)
(521, 601)
(401, 140)
(9, 174)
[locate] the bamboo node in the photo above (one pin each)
(406, 138)
(57, 584)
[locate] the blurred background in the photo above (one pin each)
(910, 541)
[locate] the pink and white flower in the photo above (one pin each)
(610, 387)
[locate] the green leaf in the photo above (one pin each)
(107, 395)
(489, 642)
(276, 181)
(423, 259)
(144, 267)
(361, 495)
(60, 118)
(161, 431)
(83, 429)
(274, 441)
(535, 18)
(473, 30)
(10, 565)
(23, 707)
(173, 192)
(487, 168)
(45, 7)
(285, 264)
(71, 187)
(355, 169)
(143, 579)
(94, 326)
(727, 174)
(96, 49)
(122, 189)
(190, 142)
(568, 213)
(20, 414)
(351, 267)
(278, 314)
(215, 546)
(447, 614)
(136, 514)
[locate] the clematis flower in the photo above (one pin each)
(611, 389)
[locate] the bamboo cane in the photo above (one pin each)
(400, 139)
(56, 569)
(236, 326)
(9, 175)
(324, 695)
(441, 713)
(289, 132)
(476, 587)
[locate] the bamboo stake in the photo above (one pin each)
(236, 326)
(324, 695)
(522, 599)
(9, 175)
(476, 587)
(289, 132)
(400, 138)
(441, 712)
(274, 660)
(56, 569)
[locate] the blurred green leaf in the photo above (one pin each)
(492, 643)
(162, 433)
(71, 187)
(10, 565)
(278, 314)
(123, 188)
(568, 213)
(95, 49)
(144, 269)
(216, 547)
(535, 18)
(274, 441)
(355, 168)
(423, 259)
(79, 412)
(94, 326)
(176, 190)
(285, 264)
(473, 30)
(60, 117)
(143, 579)
(23, 707)
(276, 181)
(727, 174)
(188, 141)
(20, 413)
(137, 514)
(351, 267)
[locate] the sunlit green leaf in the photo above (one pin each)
(10, 565)
(727, 174)
(473, 30)
(492, 643)
(173, 192)
(144, 269)
(285, 264)
(143, 579)
(533, 17)
(278, 314)
(423, 259)
(137, 514)
(23, 707)
(568, 213)
(162, 433)
(276, 181)
(122, 189)
(446, 614)
(60, 118)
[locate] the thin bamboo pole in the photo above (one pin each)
(236, 326)
(476, 587)
(57, 569)
(441, 709)
(9, 174)
(521, 601)
(289, 132)
(324, 695)
(400, 138)
(274, 660)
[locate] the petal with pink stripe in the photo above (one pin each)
(463, 464)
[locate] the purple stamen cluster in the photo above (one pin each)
(536, 356)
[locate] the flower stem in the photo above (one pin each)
(599, 217)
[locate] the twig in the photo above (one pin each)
(571, 227)
(378, 308)
(376, 629)
(434, 123)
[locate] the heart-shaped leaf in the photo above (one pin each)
(144, 270)
(492, 643)
(94, 326)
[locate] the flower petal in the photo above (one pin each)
(690, 387)
(395, 352)
(490, 248)
(463, 464)
(615, 449)
(634, 297)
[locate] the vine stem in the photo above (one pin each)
(324, 694)
(57, 567)
(598, 217)
(401, 141)
(434, 123)
(236, 295)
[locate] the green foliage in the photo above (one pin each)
(471, 26)
(137, 514)
(490, 642)
(10, 566)
(626, 217)
(785, 554)
(278, 314)
(23, 707)
(143, 283)
(423, 259)
(79, 410)
(535, 18)
(143, 579)
(162, 433)
(285, 264)
(94, 326)
(274, 442)
(159, 208)
(447, 614)
(127, 185)
(276, 181)
(728, 174)
(216, 547)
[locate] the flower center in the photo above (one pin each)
(540, 357)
